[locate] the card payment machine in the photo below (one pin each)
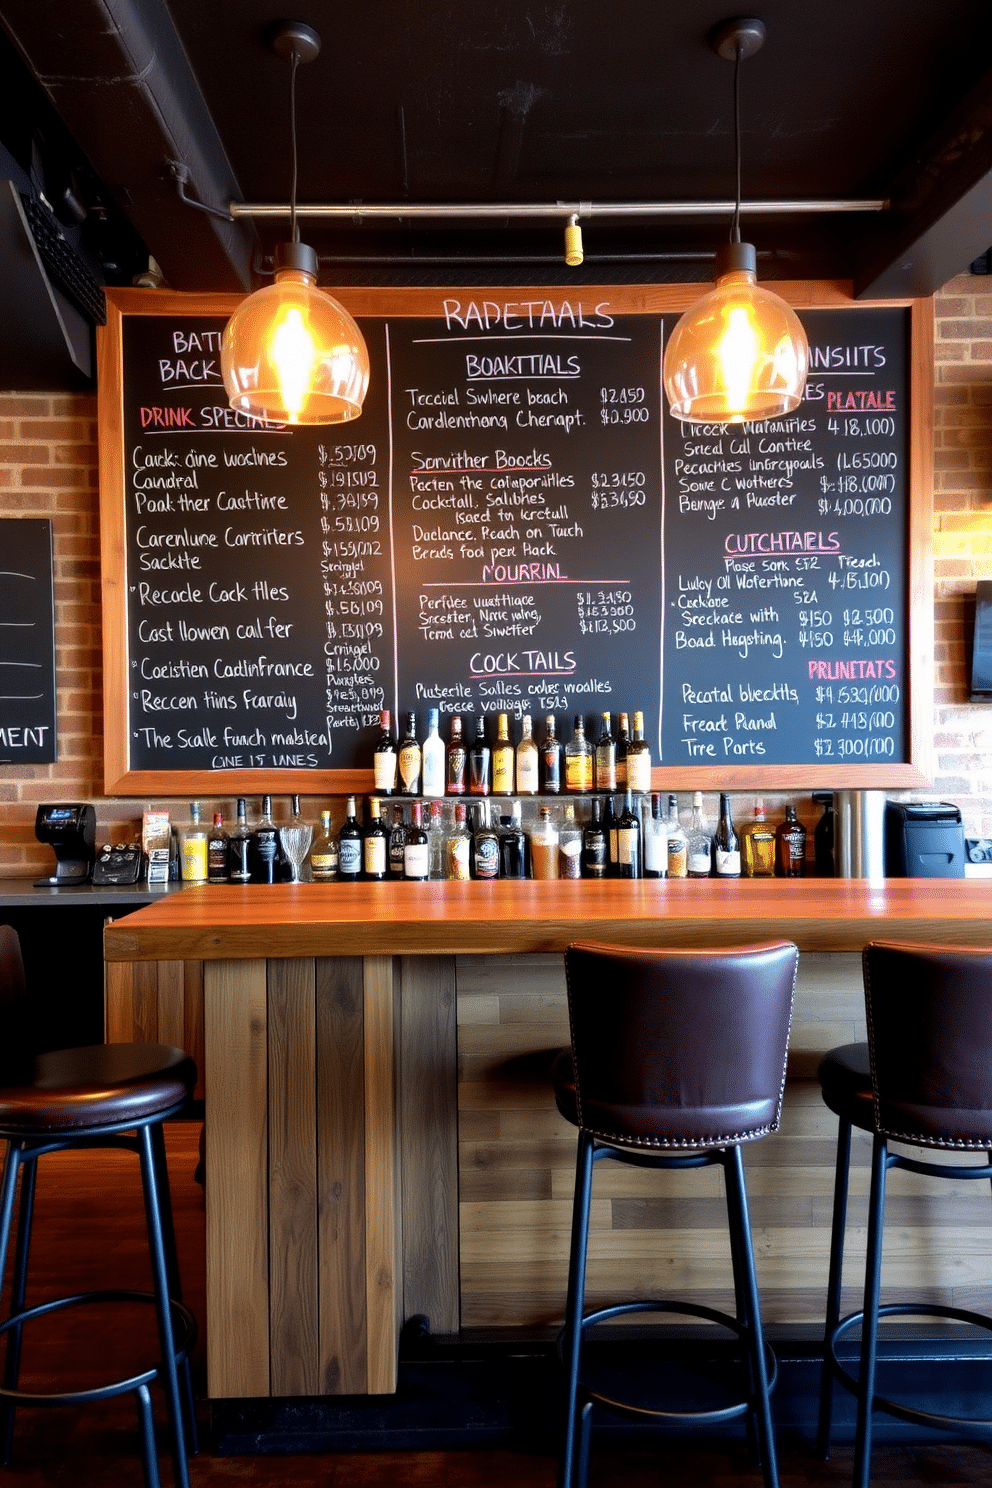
(71, 832)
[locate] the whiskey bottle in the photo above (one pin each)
(623, 746)
(678, 842)
(611, 819)
(416, 852)
(726, 846)
(758, 846)
(503, 759)
(638, 759)
(239, 848)
(456, 760)
(217, 851)
(551, 759)
(410, 759)
(790, 846)
(397, 842)
(350, 845)
(700, 850)
(324, 852)
(432, 758)
(605, 759)
(479, 762)
(578, 761)
(384, 757)
(527, 759)
(630, 861)
(595, 852)
(375, 845)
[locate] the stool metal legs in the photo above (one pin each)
(838, 1226)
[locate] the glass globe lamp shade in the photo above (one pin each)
(739, 354)
(290, 353)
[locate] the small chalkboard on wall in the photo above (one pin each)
(27, 643)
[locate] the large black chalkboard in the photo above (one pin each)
(27, 642)
(514, 524)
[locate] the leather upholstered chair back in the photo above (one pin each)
(930, 1041)
(675, 1048)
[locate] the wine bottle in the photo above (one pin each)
(623, 747)
(595, 852)
(629, 854)
(610, 820)
(384, 757)
(485, 845)
(193, 848)
(239, 848)
(527, 759)
(790, 846)
(578, 761)
(265, 847)
(656, 840)
(458, 848)
(569, 845)
(758, 846)
(678, 842)
(375, 845)
(416, 852)
(503, 759)
(638, 759)
(457, 760)
(726, 846)
(410, 758)
(700, 863)
(324, 852)
(605, 759)
(551, 759)
(217, 851)
(350, 845)
(397, 842)
(433, 758)
(479, 762)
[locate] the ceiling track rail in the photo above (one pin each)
(358, 212)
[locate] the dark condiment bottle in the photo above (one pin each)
(265, 847)
(595, 851)
(397, 842)
(479, 762)
(790, 846)
(513, 845)
(823, 835)
(456, 764)
(552, 753)
(239, 848)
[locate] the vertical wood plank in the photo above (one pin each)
(428, 1102)
(193, 1018)
(341, 1176)
(118, 999)
(293, 1316)
(170, 997)
(383, 1263)
(144, 1004)
(237, 1179)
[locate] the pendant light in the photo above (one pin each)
(290, 353)
(740, 352)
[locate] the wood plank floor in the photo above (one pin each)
(89, 1223)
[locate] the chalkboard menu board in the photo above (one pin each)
(515, 524)
(27, 643)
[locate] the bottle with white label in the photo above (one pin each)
(324, 852)
(569, 845)
(527, 759)
(726, 844)
(416, 852)
(638, 759)
(629, 840)
(700, 862)
(656, 841)
(350, 845)
(432, 758)
(384, 757)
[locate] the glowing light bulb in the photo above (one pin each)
(738, 352)
(294, 356)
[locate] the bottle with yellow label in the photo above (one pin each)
(578, 761)
(503, 758)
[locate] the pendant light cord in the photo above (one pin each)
(735, 223)
(294, 230)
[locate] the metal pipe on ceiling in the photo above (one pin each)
(490, 211)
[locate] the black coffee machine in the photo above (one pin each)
(71, 831)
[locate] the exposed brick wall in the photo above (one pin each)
(48, 457)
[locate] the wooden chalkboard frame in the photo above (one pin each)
(396, 303)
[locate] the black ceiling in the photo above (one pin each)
(525, 101)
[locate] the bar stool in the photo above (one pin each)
(86, 1098)
(924, 1078)
(677, 1058)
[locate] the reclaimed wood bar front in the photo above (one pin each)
(381, 1140)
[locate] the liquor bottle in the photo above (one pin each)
(638, 759)
(457, 760)
(265, 847)
(479, 762)
(790, 846)
(512, 845)
(217, 851)
(397, 842)
(324, 852)
(294, 842)
(630, 857)
(758, 846)
(726, 845)
(433, 758)
(678, 842)
(435, 840)
(485, 845)
(375, 845)
(605, 758)
(569, 845)
(823, 835)
(410, 759)
(578, 761)
(623, 746)
(384, 757)
(595, 851)
(551, 759)
(239, 848)
(503, 758)
(193, 848)
(350, 845)
(656, 840)
(527, 759)
(544, 846)
(610, 820)
(458, 847)
(416, 852)
(700, 841)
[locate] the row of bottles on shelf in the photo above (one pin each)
(642, 837)
(551, 767)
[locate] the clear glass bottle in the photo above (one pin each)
(436, 834)
(375, 845)
(790, 846)
(504, 756)
(294, 840)
(512, 845)
(217, 851)
(479, 762)
(433, 758)
(678, 842)
(623, 745)
(630, 857)
(410, 758)
(578, 761)
(397, 842)
(528, 775)
(265, 847)
(544, 846)
(726, 844)
(193, 848)
(551, 766)
(416, 853)
(605, 758)
(384, 757)
(656, 840)
(758, 845)
(324, 852)
(239, 848)
(485, 844)
(456, 760)
(350, 845)
(700, 863)
(595, 849)
(639, 759)
(569, 845)
(458, 847)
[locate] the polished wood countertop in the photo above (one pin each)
(301, 920)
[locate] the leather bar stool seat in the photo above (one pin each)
(924, 1078)
(106, 1095)
(677, 1058)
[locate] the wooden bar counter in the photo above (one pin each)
(381, 1139)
